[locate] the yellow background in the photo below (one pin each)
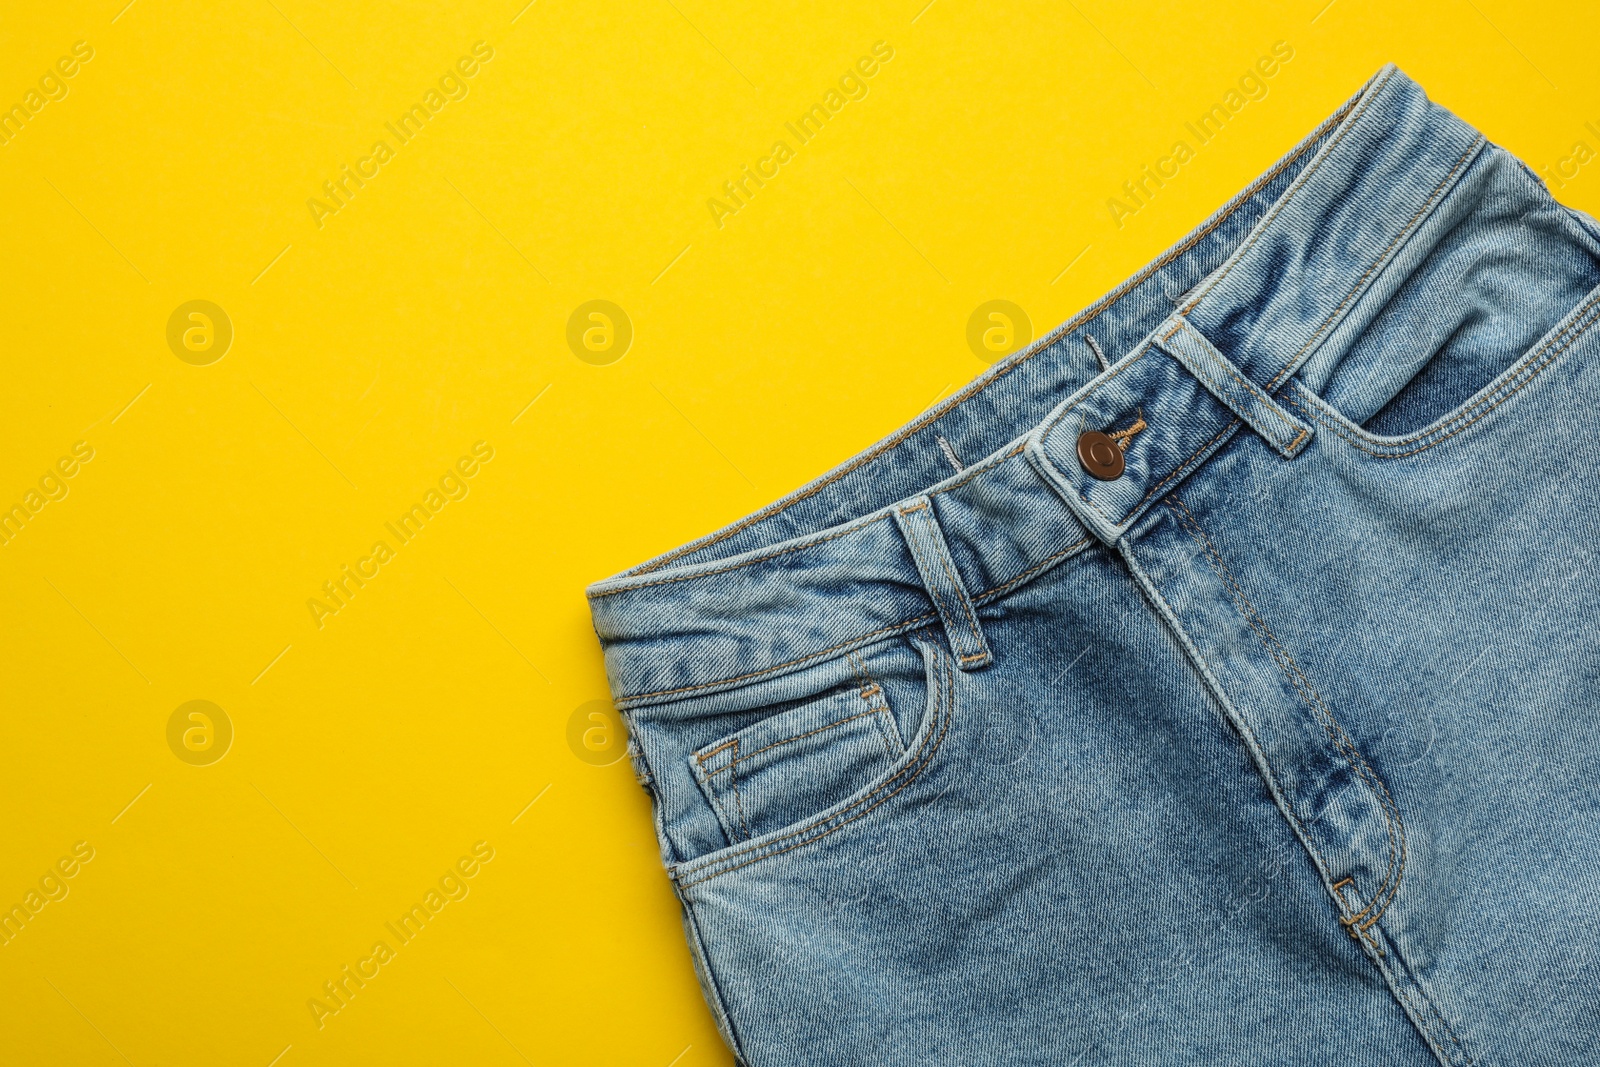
(425, 315)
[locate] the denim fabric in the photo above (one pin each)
(1282, 747)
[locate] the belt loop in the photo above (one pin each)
(943, 582)
(1285, 433)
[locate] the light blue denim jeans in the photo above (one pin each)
(1229, 701)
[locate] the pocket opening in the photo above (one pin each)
(1509, 269)
(797, 761)
(916, 674)
(1517, 378)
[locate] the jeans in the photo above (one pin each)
(1209, 682)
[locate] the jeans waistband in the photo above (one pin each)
(1273, 287)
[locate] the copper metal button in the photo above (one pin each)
(1100, 456)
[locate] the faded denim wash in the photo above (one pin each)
(1281, 747)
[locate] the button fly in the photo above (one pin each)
(1100, 455)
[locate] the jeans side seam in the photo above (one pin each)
(713, 988)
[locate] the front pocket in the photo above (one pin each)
(1516, 381)
(797, 763)
(1476, 298)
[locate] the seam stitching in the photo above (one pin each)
(924, 542)
(909, 624)
(1428, 1017)
(738, 797)
(942, 701)
(1534, 364)
(734, 743)
(797, 737)
(891, 741)
(934, 539)
(1291, 670)
(852, 528)
(1300, 181)
(1111, 298)
(1336, 733)
(1383, 260)
(1253, 392)
(1048, 561)
(856, 665)
(1089, 316)
(1052, 421)
(1253, 743)
(1417, 991)
(723, 815)
(885, 722)
(981, 467)
(1186, 463)
(1249, 386)
(1355, 291)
